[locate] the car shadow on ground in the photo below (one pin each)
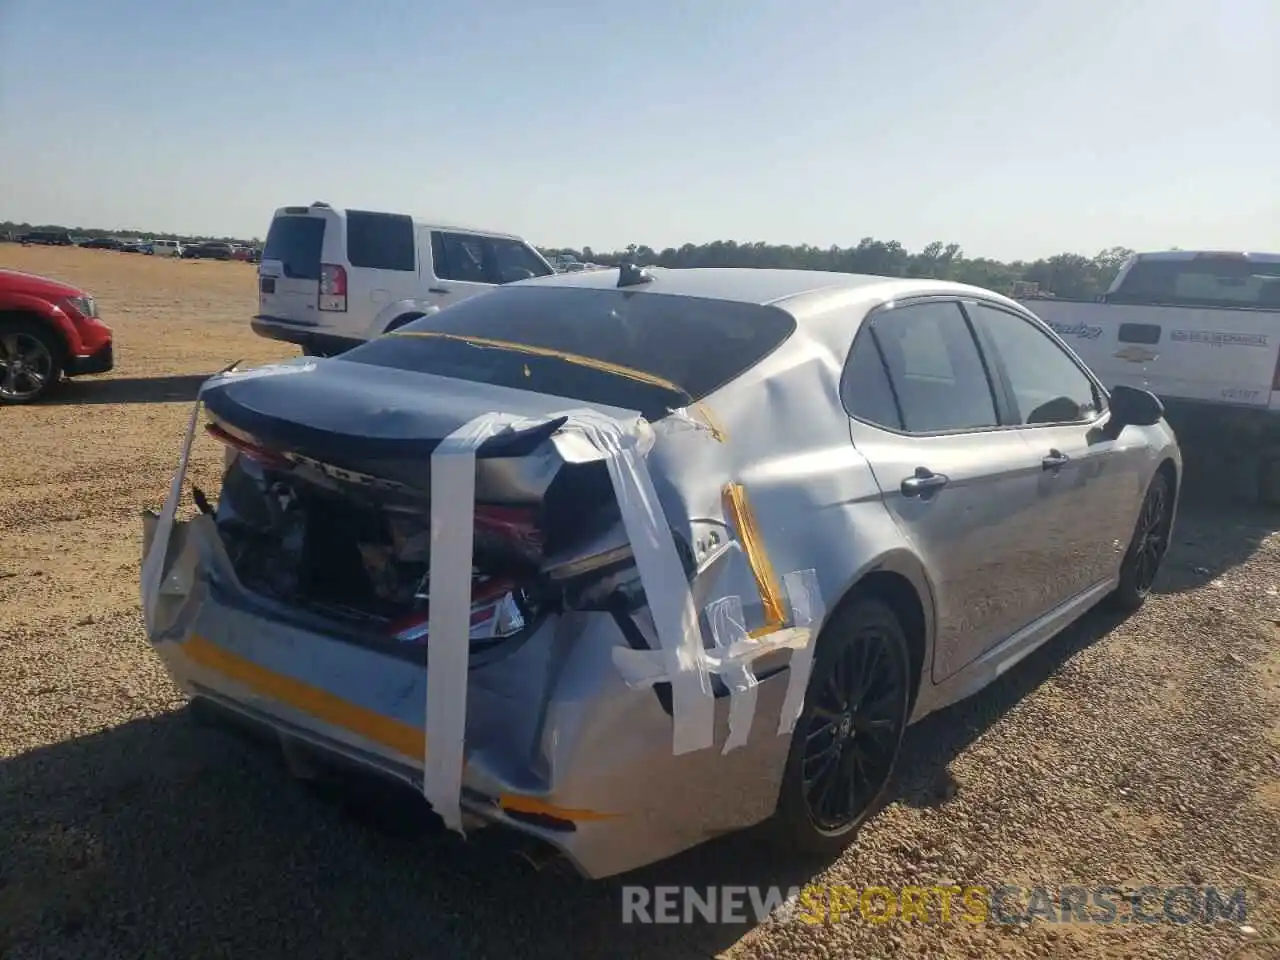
(165, 837)
(165, 389)
(1211, 538)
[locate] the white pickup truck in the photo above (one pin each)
(1201, 330)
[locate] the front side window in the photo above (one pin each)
(472, 258)
(936, 373)
(1048, 385)
(512, 261)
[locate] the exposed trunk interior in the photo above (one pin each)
(347, 545)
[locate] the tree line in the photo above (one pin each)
(10, 227)
(1062, 275)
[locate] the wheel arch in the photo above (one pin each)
(393, 315)
(37, 313)
(898, 580)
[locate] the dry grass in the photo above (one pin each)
(1146, 751)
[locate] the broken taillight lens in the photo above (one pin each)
(251, 450)
(495, 613)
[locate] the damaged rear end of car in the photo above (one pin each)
(299, 599)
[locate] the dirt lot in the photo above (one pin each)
(1122, 754)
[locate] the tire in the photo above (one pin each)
(864, 640)
(1147, 547)
(30, 361)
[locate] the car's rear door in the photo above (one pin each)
(381, 260)
(1090, 483)
(959, 481)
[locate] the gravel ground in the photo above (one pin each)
(1121, 754)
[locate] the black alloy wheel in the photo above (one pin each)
(1147, 548)
(847, 740)
(29, 364)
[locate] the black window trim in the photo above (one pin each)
(1100, 395)
(998, 397)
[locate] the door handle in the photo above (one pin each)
(437, 289)
(923, 483)
(1054, 460)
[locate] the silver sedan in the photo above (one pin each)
(625, 559)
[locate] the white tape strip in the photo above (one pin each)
(736, 651)
(153, 562)
(453, 496)
(662, 574)
(729, 629)
(804, 596)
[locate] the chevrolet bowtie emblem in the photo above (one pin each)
(1136, 354)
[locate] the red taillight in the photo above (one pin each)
(250, 450)
(333, 287)
(494, 614)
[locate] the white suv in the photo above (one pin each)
(166, 248)
(331, 279)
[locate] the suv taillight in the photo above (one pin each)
(333, 287)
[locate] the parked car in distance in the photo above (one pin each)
(950, 481)
(50, 238)
(209, 250)
(47, 329)
(166, 248)
(103, 243)
(330, 279)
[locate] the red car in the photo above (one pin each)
(48, 329)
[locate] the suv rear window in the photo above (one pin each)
(380, 241)
(1202, 282)
(699, 345)
(296, 243)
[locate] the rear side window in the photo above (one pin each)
(296, 243)
(865, 389)
(1202, 282)
(381, 241)
(472, 258)
(936, 372)
(695, 344)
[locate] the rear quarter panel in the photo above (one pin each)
(786, 440)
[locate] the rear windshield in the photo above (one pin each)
(696, 344)
(296, 243)
(1202, 282)
(380, 241)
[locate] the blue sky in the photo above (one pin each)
(1017, 129)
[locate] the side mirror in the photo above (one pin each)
(1133, 407)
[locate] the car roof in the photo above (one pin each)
(802, 293)
(417, 221)
(1208, 255)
